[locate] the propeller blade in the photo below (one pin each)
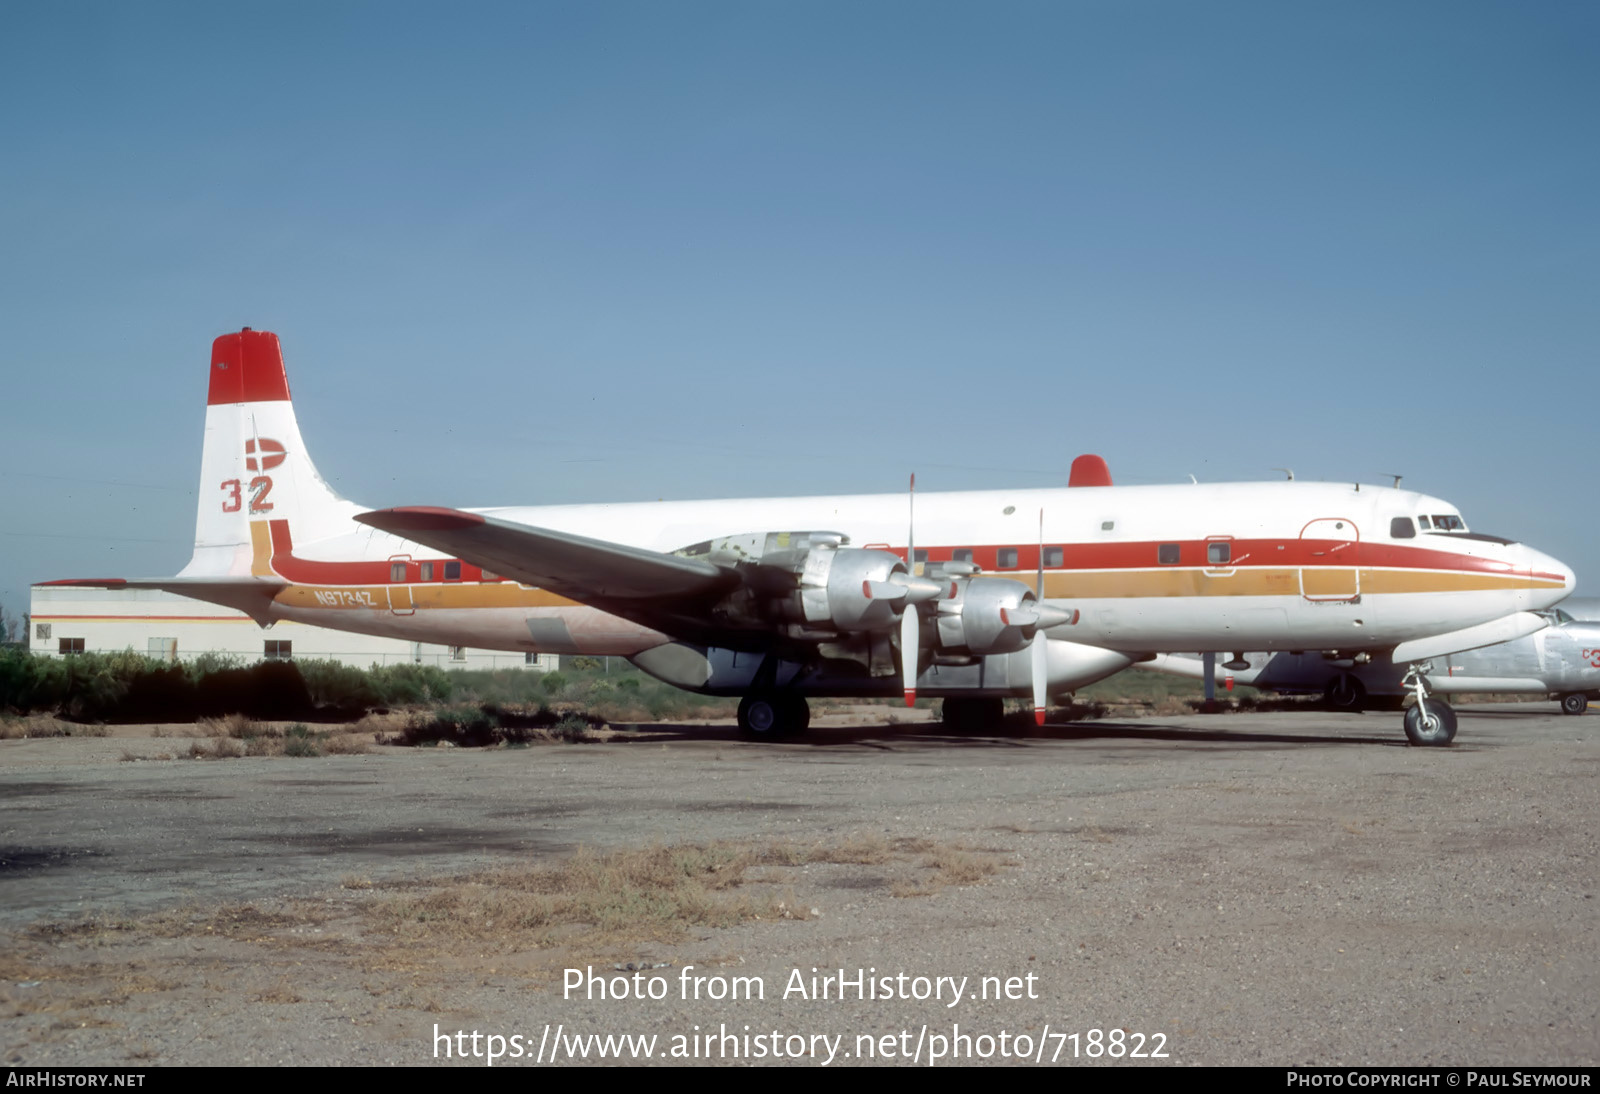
(1040, 653)
(883, 590)
(910, 627)
(1025, 616)
(910, 636)
(919, 589)
(1052, 616)
(1040, 669)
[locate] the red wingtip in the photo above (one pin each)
(911, 697)
(1089, 470)
(1038, 716)
(247, 367)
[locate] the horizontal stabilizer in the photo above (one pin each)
(576, 566)
(1505, 629)
(250, 595)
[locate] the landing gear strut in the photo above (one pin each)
(1430, 721)
(1344, 692)
(969, 715)
(771, 714)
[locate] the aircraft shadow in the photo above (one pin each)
(889, 735)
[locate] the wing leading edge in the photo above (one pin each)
(591, 571)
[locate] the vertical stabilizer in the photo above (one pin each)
(254, 466)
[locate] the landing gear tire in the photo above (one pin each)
(1574, 702)
(1344, 692)
(972, 715)
(769, 715)
(1435, 729)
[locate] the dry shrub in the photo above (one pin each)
(236, 726)
(347, 744)
(222, 748)
(46, 725)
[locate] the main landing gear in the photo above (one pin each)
(1574, 702)
(1344, 692)
(972, 715)
(1430, 721)
(769, 714)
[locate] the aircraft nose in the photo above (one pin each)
(1546, 570)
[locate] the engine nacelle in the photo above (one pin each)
(851, 589)
(987, 615)
(812, 585)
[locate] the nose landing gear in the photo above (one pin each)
(1431, 722)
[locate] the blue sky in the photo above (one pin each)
(531, 253)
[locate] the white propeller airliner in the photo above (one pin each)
(1005, 593)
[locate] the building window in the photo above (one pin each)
(397, 571)
(1167, 554)
(452, 571)
(530, 658)
(162, 649)
(1006, 558)
(278, 649)
(458, 653)
(1218, 554)
(41, 631)
(70, 645)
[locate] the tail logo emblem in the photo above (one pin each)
(272, 454)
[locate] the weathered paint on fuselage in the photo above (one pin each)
(1311, 565)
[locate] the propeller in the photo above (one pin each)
(910, 624)
(1040, 651)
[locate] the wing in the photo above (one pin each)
(584, 569)
(781, 591)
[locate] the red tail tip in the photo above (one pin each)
(911, 697)
(1038, 716)
(247, 367)
(1089, 470)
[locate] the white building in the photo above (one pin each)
(72, 620)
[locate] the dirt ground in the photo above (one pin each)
(1267, 889)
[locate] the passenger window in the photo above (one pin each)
(397, 571)
(961, 554)
(1054, 557)
(427, 571)
(1167, 554)
(1218, 553)
(1402, 528)
(1007, 558)
(452, 571)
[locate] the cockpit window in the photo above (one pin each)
(1446, 522)
(1402, 528)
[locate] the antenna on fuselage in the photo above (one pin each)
(1287, 471)
(1395, 477)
